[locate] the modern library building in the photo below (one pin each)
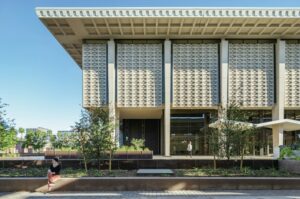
(163, 72)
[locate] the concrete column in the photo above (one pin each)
(118, 136)
(224, 72)
(167, 83)
(278, 107)
(277, 140)
(112, 88)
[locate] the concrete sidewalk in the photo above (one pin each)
(255, 194)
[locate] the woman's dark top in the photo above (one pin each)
(55, 170)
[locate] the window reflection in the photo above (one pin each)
(190, 126)
(292, 137)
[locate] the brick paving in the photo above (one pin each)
(253, 194)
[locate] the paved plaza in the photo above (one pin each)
(255, 194)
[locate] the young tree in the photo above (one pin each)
(235, 131)
(241, 141)
(101, 139)
(21, 132)
(8, 135)
(81, 138)
(8, 138)
(94, 135)
(215, 144)
(37, 139)
(55, 142)
(62, 140)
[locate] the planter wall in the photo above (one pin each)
(144, 164)
(144, 155)
(149, 184)
(292, 166)
(119, 155)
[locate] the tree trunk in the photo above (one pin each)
(85, 164)
(227, 153)
(99, 167)
(110, 156)
(242, 159)
(215, 162)
(84, 158)
(99, 157)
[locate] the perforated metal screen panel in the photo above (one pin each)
(94, 75)
(251, 74)
(292, 75)
(195, 75)
(139, 79)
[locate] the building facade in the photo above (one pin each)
(162, 72)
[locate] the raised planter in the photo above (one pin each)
(126, 164)
(133, 155)
(62, 154)
(292, 166)
(296, 153)
(149, 184)
(119, 155)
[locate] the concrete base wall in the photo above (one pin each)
(149, 184)
(292, 166)
(146, 164)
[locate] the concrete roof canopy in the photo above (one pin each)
(71, 26)
(286, 124)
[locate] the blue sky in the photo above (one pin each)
(39, 80)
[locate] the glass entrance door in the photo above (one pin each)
(185, 128)
(147, 129)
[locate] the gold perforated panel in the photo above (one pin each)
(94, 75)
(195, 75)
(251, 74)
(292, 75)
(139, 75)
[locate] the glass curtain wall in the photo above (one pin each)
(262, 142)
(292, 137)
(190, 126)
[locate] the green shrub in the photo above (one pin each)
(131, 148)
(146, 149)
(138, 144)
(285, 152)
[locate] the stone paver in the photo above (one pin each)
(253, 194)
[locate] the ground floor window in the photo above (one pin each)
(191, 126)
(187, 125)
(146, 129)
(292, 137)
(262, 142)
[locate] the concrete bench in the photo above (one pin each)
(154, 172)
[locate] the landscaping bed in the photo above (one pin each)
(196, 172)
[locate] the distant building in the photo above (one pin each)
(65, 132)
(38, 128)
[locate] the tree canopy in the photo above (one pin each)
(8, 134)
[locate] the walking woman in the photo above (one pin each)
(53, 173)
(190, 148)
